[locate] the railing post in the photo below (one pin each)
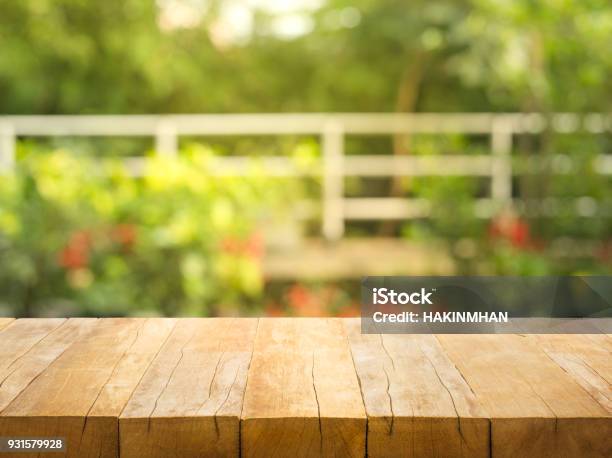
(333, 181)
(166, 139)
(7, 146)
(501, 148)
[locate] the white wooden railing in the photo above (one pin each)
(332, 130)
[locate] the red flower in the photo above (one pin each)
(124, 235)
(75, 254)
(519, 233)
(274, 310)
(353, 310)
(252, 247)
(303, 302)
(507, 226)
(299, 297)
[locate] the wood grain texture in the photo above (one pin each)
(536, 408)
(415, 398)
(222, 387)
(4, 322)
(188, 403)
(28, 365)
(20, 336)
(59, 401)
(19, 345)
(302, 397)
(586, 358)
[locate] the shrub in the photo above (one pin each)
(79, 236)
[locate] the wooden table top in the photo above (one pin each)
(300, 387)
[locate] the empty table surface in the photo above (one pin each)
(300, 387)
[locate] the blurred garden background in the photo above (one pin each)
(493, 155)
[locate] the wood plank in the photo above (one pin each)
(59, 401)
(18, 338)
(4, 322)
(302, 397)
(167, 387)
(189, 401)
(536, 409)
(601, 340)
(101, 432)
(15, 377)
(415, 398)
(586, 359)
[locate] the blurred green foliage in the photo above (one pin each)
(81, 236)
(78, 236)
(120, 56)
(563, 223)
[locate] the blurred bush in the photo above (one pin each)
(79, 236)
(560, 222)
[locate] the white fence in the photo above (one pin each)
(332, 130)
